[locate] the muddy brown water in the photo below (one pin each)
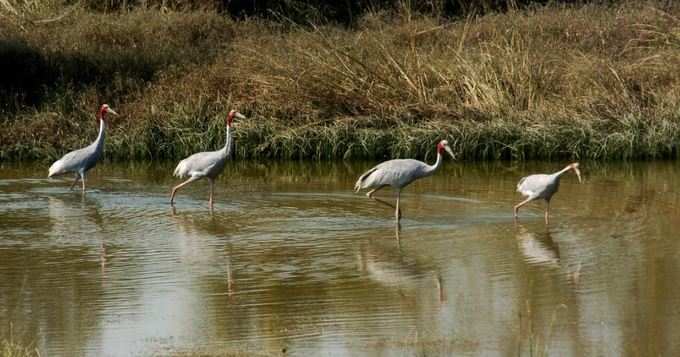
(292, 260)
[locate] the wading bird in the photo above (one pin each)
(398, 174)
(81, 160)
(205, 164)
(542, 186)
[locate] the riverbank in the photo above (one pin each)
(587, 82)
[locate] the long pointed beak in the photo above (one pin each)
(111, 111)
(240, 116)
(448, 149)
(578, 174)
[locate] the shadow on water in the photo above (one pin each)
(291, 259)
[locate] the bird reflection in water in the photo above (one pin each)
(69, 215)
(539, 249)
(388, 265)
(198, 246)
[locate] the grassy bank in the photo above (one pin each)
(10, 346)
(593, 81)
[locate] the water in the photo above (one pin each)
(292, 260)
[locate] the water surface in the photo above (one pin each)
(292, 260)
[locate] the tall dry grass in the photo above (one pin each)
(592, 81)
(11, 346)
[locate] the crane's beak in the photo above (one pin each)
(578, 174)
(239, 115)
(111, 111)
(448, 149)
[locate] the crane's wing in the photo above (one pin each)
(70, 162)
(398, 172)
(519, 184)
(533, 185)
(360, 181)
(198, 164)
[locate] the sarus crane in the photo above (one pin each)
(205, 164)
(398, 174)
(543, 186)
(81, 160)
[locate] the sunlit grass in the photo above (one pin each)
(593, 81)
(10, 346)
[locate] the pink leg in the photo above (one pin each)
(371, 192)
(74, 182)
(397, 211)
(212, 191)
(174, 189)
(439, 289)
(516, 209)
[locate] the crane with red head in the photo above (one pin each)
(209, 164)
(81, 160)
(399, 173)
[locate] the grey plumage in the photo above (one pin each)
(81, 160)
(542, 186)
(398, 174)
(208, 164)
(205, 164)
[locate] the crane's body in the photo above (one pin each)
(208, 164)
(81, 160)
(205, 164)
(542, 186)
(398, 174)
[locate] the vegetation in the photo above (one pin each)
(581, 81)
(11, 347)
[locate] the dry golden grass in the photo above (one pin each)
(592, 81)
(11, 346)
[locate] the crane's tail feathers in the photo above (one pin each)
(358, 185)
(55, 169)
(519, 184)
(180, 170)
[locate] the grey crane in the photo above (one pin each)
(205, 164)
(542, 186)
(81, 160)
(398, 174)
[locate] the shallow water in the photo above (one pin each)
(292, 260)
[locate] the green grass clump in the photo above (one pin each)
(589, 81)
(11, 347)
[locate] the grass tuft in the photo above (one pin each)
(551, 82)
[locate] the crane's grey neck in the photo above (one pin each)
(562, 172)
(100, 138)
(437, 164)
(227, 145)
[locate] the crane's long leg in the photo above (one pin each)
(397, 212)
(174, 189)
(439, 288)
(82, 180)
(516, 209)
(212, 191)
(547, 212)
(383, 202)
(74, 182)
(371, 192)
